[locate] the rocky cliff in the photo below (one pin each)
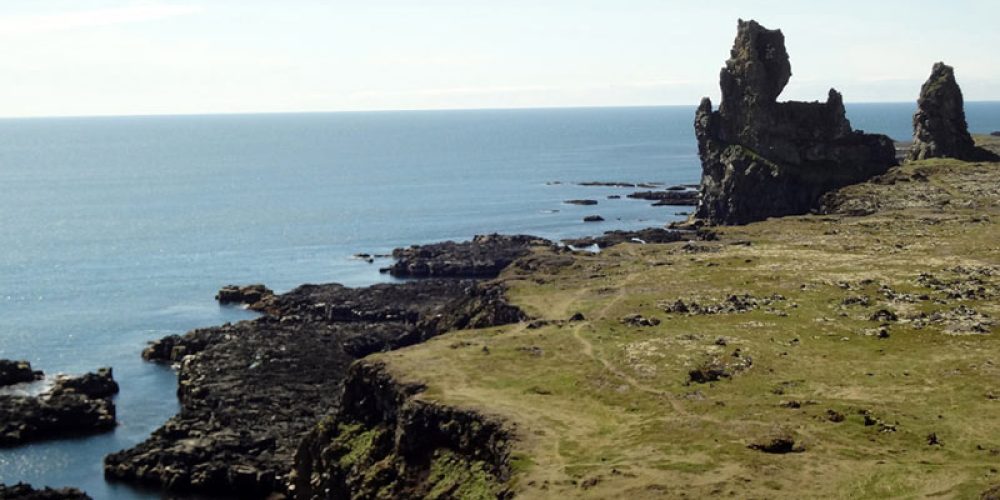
(763, 158)
(939, 126)
(385, 442)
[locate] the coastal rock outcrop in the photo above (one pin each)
(73, 406)
(483, 257)
(247, 295)
(384, 442)
(939, 126)
(250, 391)
(763, 158)
(21, 491)
(16, 372)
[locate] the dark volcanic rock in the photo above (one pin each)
(16, 372)
(668, 198)
(581, 202)
(763, 158)
(648, 235)
(483, 257)
(248, 294)
(384, 443)
(21, 491)
(939, 126)
(250, 391)
(593, 218)
(74, 406)
(93, 385)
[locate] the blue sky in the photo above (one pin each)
(90, 57)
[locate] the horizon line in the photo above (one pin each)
(406, 110)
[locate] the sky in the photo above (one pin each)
(130, 57)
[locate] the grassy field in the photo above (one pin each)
(856, 350)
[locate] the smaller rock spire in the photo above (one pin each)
(939, 126)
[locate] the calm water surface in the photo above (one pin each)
(118, 231)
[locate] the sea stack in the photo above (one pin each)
(762, 158)
(939, 126)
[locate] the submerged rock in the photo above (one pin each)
(939, 126)
(763, 158)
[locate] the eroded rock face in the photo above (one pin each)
(939, 126)
(763, 158)
(385, 443)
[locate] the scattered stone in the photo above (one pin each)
(884, 315)
(637, 320)
(939, 126)
(932, 439)
(21, 491)
(532, 350)
(762, 158)
(720, 367)
(777, 442)
(593, 218)
(834, 416)
(581, 202)
(733, 304)
(993, 493)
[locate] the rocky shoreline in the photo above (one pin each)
(72, 406)
(250, 391)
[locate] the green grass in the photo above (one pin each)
(602, 409)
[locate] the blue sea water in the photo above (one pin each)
(118, 231)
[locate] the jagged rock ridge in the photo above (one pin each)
(763, 158)
(939, 126)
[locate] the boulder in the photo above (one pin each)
(593, 218)
(762, 158)
(939, 126)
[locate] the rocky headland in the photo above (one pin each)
(72, 406)
(250, 391)
(763, 158)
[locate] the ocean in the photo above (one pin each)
(118, 231)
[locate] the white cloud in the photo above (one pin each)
(46, 23)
